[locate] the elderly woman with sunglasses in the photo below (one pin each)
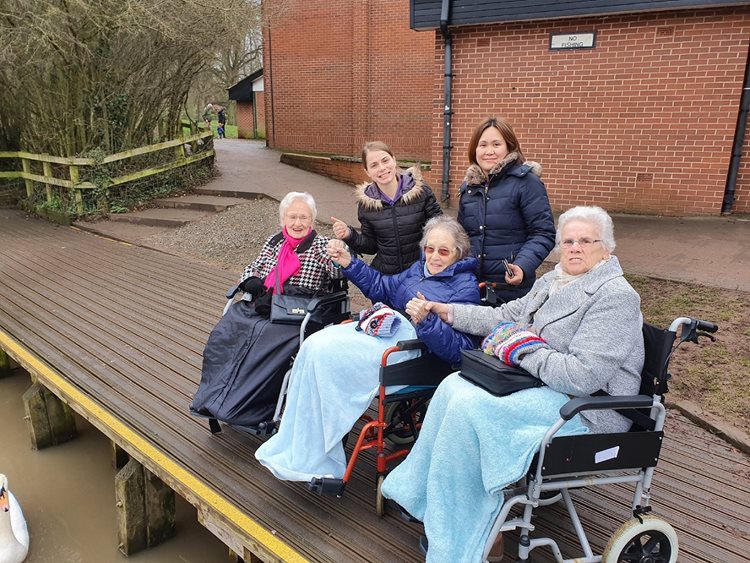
(335, 375)
(578, 330)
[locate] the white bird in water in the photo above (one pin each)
(14, 535)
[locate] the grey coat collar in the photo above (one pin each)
(571, 297)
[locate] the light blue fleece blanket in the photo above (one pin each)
(472, 445)
(334, 379)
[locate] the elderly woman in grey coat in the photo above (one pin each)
(578, 330)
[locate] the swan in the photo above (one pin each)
(14, 536)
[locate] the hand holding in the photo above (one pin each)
(517, 275)
(338, 252)
(416, 308)
(442, 310)
(340, 229)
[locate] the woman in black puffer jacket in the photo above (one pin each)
(392, 212)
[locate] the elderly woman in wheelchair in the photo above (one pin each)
(247, 355)
(335, 376)
(579, 331)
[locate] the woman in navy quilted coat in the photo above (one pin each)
(505, 210)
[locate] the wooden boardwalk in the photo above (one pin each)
(117, 332)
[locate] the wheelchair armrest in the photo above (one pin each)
(326, 300)
(574, 406)
(414, 344)
(232, 291)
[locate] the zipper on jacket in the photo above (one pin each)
(397, 238)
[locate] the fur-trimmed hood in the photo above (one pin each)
(368, 194)
(475, 174)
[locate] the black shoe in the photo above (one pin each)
(405, 513)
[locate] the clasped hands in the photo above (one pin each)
(339, 253)
(419, 307)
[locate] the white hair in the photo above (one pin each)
(453, 228)
(290, 197)
(590, 214)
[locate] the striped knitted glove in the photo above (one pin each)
(509, 341)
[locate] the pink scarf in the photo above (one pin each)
(287, 262)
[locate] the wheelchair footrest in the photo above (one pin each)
(262, 429)
(327, 486)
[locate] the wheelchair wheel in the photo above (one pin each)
(379, 500)
(401, 434)
(653, 541)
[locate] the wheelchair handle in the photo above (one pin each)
(695, 324)
(414, 344)
(232, 291)
(574, 406)
(325, 300)
(707, 326)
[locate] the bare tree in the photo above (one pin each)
(83, 74)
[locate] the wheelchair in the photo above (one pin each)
(570, 462)
(404, 391)
(330, 308)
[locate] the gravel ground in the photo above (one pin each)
(232, 239)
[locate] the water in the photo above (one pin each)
(67, 493)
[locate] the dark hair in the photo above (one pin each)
(373, 146)
(506, 130)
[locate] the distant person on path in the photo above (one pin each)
(207, 115)
(392, 209)
(222, 115)
(504, 208)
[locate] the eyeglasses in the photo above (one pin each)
(442, 251)
(584, 242)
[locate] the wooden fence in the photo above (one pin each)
(75, 164)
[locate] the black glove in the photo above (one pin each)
(254, 286)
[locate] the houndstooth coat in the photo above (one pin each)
(316, 269)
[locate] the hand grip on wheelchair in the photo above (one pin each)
(325, 300)
(707, 326)
(574, 406)
(232, 291)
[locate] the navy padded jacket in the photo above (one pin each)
(507, 215)
(456, 284)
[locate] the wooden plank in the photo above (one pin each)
(107, 318)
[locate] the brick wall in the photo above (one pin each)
(346, 170)
(341, 72)
(642, 123)
(245, 129)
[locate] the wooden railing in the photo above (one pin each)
(74, 164)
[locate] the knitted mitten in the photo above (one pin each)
(509, 341)
(378, 320)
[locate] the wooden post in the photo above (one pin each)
(146, 509)
(180, 152)
(131, 514)
(48, 174)
(29, 184)
(119, 456)
(160, 510)
(75, 178)
(5, 364)
(51, 422)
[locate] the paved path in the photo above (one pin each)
(707, 250)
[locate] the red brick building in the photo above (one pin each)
(251, 106)
(642, 121)
(339, 73)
